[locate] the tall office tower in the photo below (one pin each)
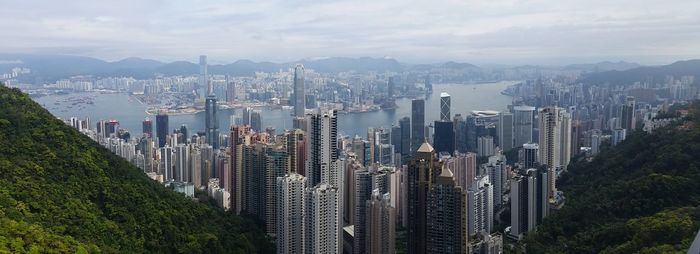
(391, 86)
(295, 149)
(381, 221)
(529, 155)
(405, 125)
(396, 138)
(479, 205)
(428, 83)
(182, 156)
(472, 132)
(256, 121)
(529, 203)
(290, 213)
(485, 145)
(322, 148)
(565, 146)
(363, 192)
(322, 222)
(422, 170)
(212, 125)
(628, 119)
(147, 126)
(166, 163)
(299, 91)
(460, 130)
(246, 115)
(445, 107)
(203, 77)
(444, 137)
(182, 134)
(618, 135)
(231, 93)
(417, 124)
(550, 143)
(505, 131)
(277, 162)
(444, 216)
(523, 117)
(162, 128)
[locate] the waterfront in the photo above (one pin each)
(130, 113)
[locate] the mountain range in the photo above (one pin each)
(48, 68)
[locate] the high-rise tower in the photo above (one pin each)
(444, 106)
(299, 96)
(162, 128)
(417, 124)
(322, 149)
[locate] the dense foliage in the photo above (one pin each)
(641, 196)
(61, 192)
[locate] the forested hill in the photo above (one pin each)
(61, 192)
(641, 196)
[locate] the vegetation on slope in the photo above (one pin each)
(639, 197)
(61, 192)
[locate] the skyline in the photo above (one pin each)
(503, 32)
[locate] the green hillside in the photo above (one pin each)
(60, 192)
(639, 197)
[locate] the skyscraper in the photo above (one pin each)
(628, 121)
(421, 171)
(162, 128)
(505, 131)
(381, 221)
(529, 203)
(405, 125)
(322, 148)
(480, 207)
(203, 77)
(444, 137)
(211, 123)
(522, 124)
(445, 107)
(276, 164)
(550, 143)
(529, 155)
(460, 133)
(444, 216)
(417, 124)
(322, 222)
(147, 127)
(256, 121)
(299, 92)
(291, 200)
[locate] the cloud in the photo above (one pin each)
(497, 31)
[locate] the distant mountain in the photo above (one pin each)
(455, 65)
(135, 62)
(651, 73)
(603, 66)
(362, 64)
(61, 192)
(641, 196)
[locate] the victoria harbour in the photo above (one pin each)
(130, 112)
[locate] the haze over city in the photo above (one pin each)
(480, 32)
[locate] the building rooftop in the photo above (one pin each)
(425, 148)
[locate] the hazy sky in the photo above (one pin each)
(477, 31)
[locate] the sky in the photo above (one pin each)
(411, 31)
